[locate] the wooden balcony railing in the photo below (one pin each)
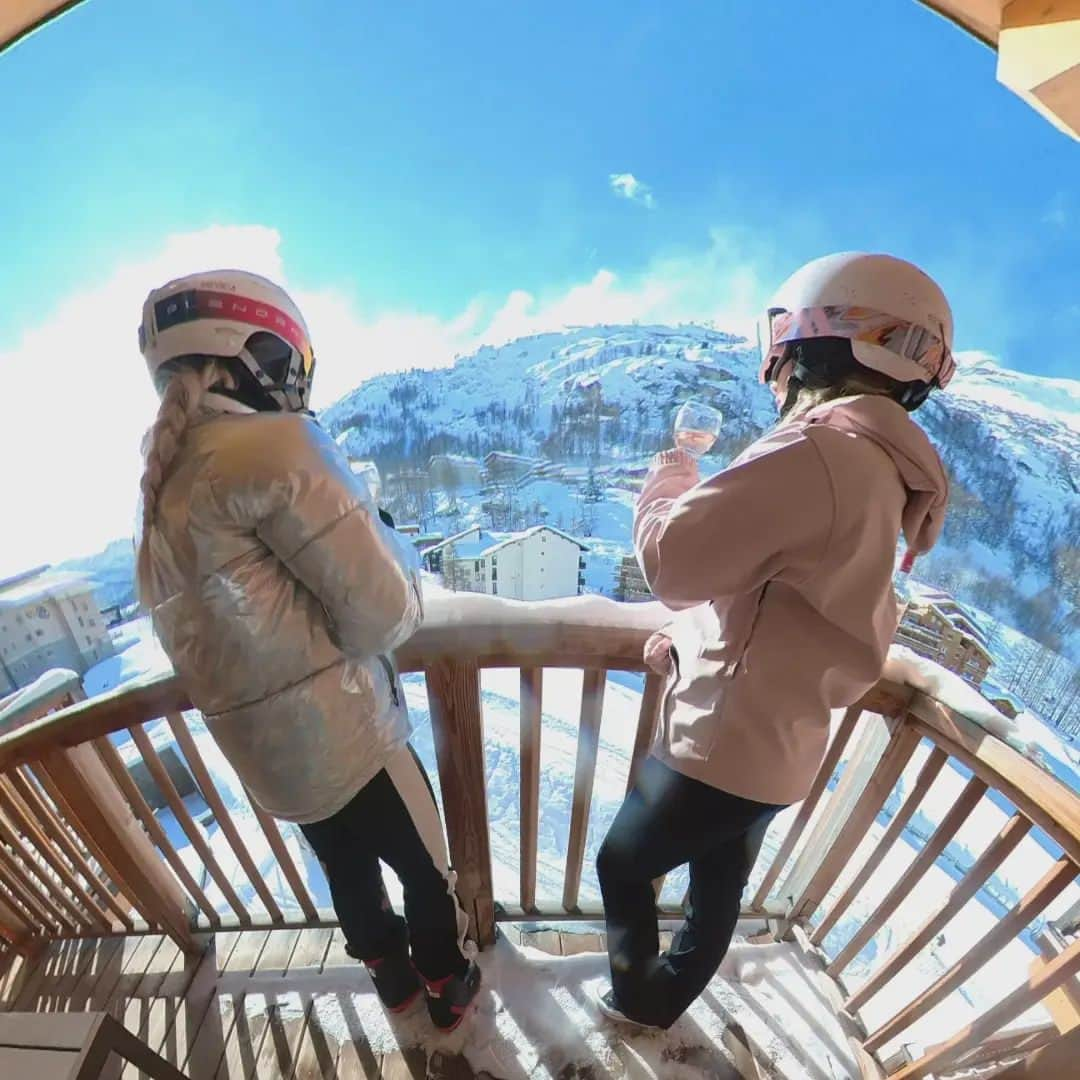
(82, 852)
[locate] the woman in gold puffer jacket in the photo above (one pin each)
(279, 592)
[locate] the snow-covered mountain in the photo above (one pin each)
(114, 571)
(606, 394)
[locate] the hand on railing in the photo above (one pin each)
(658, 653)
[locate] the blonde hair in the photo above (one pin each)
(181, 399)
(851, 385)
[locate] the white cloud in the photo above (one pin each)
(69, 443)
(628, 186)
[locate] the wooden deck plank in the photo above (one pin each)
(134, 958)
(200, 997)
(106, 959)
(126, 986)
(336, 956)
(61, 958)
(16, 970)
(159, 1016)
(284, 1032)
(244, 1042)
(141, 1011)
(311, 949)
(316, 1055)
(208, 1043)
(278, 951)
(283, 1036)
(356, 1061)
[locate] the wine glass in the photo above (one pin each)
(369, 471)
(696, 427)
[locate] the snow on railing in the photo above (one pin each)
(104, 807)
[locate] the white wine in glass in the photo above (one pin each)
(696, 427)
(370, 472)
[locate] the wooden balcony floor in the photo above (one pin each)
(291, 1004)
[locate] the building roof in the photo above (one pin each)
(455, 459)
(505, 455)
(25, 575)
(50, 583)
(950, 609)
(486, 542)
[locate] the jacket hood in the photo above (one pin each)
(886, 423)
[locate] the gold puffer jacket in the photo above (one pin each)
(282, 594)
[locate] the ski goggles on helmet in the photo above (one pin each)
(916, 345)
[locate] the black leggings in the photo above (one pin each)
(667, 820)
(393, 818)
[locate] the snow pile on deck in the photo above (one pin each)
(536, 1018)
(906, 666)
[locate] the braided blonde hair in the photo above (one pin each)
(181, 399)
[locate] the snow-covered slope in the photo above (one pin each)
(608, 390)
(114, 571)
(606, 394)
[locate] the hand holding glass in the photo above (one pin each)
(696, 427)
(370, 472)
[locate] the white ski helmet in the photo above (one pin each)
(895, 316)
(231, 314)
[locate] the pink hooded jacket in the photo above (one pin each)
(781, 569)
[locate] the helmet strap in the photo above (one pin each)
(913, 394)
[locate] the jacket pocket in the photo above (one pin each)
(711, 643)
(726, 630)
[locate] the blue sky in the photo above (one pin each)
(429, 176)
(421, 155)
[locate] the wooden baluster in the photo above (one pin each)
(532, 688)
(927, 775)
(110, 758)
(213, 799)
(276, 841)
(48, 885)
(809, 805)
(648, 715)
(31, 905)
(958, 813)
(458, 727)
(901, 746)
(1015, 829)
(29, 828)
(89, 798)
(15, 929)
(1052, 884)
(62, 834)
(183, 817)
(592, 705)
(1048, 979)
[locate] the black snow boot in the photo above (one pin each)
(448, 999)
(396, 980)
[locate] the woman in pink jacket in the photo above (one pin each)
(780, 567)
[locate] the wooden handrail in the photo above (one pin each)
(577, 632)
(1042, 797)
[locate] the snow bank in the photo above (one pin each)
(20, 707)
(536, 1018)
(906, 666)
(138, 655)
